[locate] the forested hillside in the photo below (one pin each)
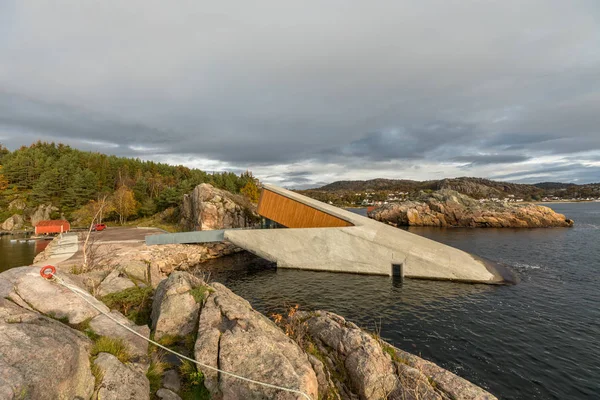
(69, 179)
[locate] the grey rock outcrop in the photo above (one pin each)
(116, 281)
(208, 208)
(171, 380)
(238, 339)
(25, 285)
(120, 381)
(166, 394)
(351, 352)
(373, 369)
(174, 308)
(13, 223)
(41, 213)
(450, 208)
(167, 258)
(17, 205)
(41, 358)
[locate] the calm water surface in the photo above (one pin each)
(539, 339)
(14, 252)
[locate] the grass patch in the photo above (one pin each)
(393, 353)
(97, 373)
(134, 302)
(155, 371)
(171, 340)
(200, 293)
(113, 346)
(332, 391)
(84, 327)
(64, 320)
(77, 270)
(192, 382)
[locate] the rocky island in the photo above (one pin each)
(449, 208)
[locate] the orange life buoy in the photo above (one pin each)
(44, 271)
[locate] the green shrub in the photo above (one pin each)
(192, 382)
(134, 302)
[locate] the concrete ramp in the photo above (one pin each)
(356, 245)
(186, 237)
(367, 247)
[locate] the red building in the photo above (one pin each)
(57, 226)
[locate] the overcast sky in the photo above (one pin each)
(309, 92)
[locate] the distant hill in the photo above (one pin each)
(349, 192)
(376, 184)
(554, 185)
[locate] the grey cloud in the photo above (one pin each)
(549, 172)
(482, 159)
(280, 84)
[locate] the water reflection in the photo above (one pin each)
(315, 290)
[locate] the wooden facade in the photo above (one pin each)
(293, 214)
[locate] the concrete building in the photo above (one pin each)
(322, 237)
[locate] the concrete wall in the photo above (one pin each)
(369, 247)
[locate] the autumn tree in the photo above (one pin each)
(3, 181)
(251, 191)
(124, 203)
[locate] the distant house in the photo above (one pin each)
(52, 226)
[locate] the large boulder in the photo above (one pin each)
(237, 339)
(366, 367)
(449, 208)
(352, 353)
(208, 208)
(25, 286)
(41, 213)
(41, 358)
(176, 305)
(13, 223)
(116, 281)
(120, 381)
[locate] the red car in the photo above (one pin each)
(99, 227)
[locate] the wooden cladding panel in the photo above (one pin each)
(293, 214)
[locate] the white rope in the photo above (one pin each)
(83, 295)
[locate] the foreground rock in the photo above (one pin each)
(43, 355)
(320, 353)
(120, 381)
(175, 307)
(236, 338)
(371, 368)
(450, 208)
(41, 358)
(26, 287)
(208, 208)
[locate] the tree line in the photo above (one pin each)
(71, 179)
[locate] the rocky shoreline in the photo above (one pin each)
(47, 329)
(448, 208)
